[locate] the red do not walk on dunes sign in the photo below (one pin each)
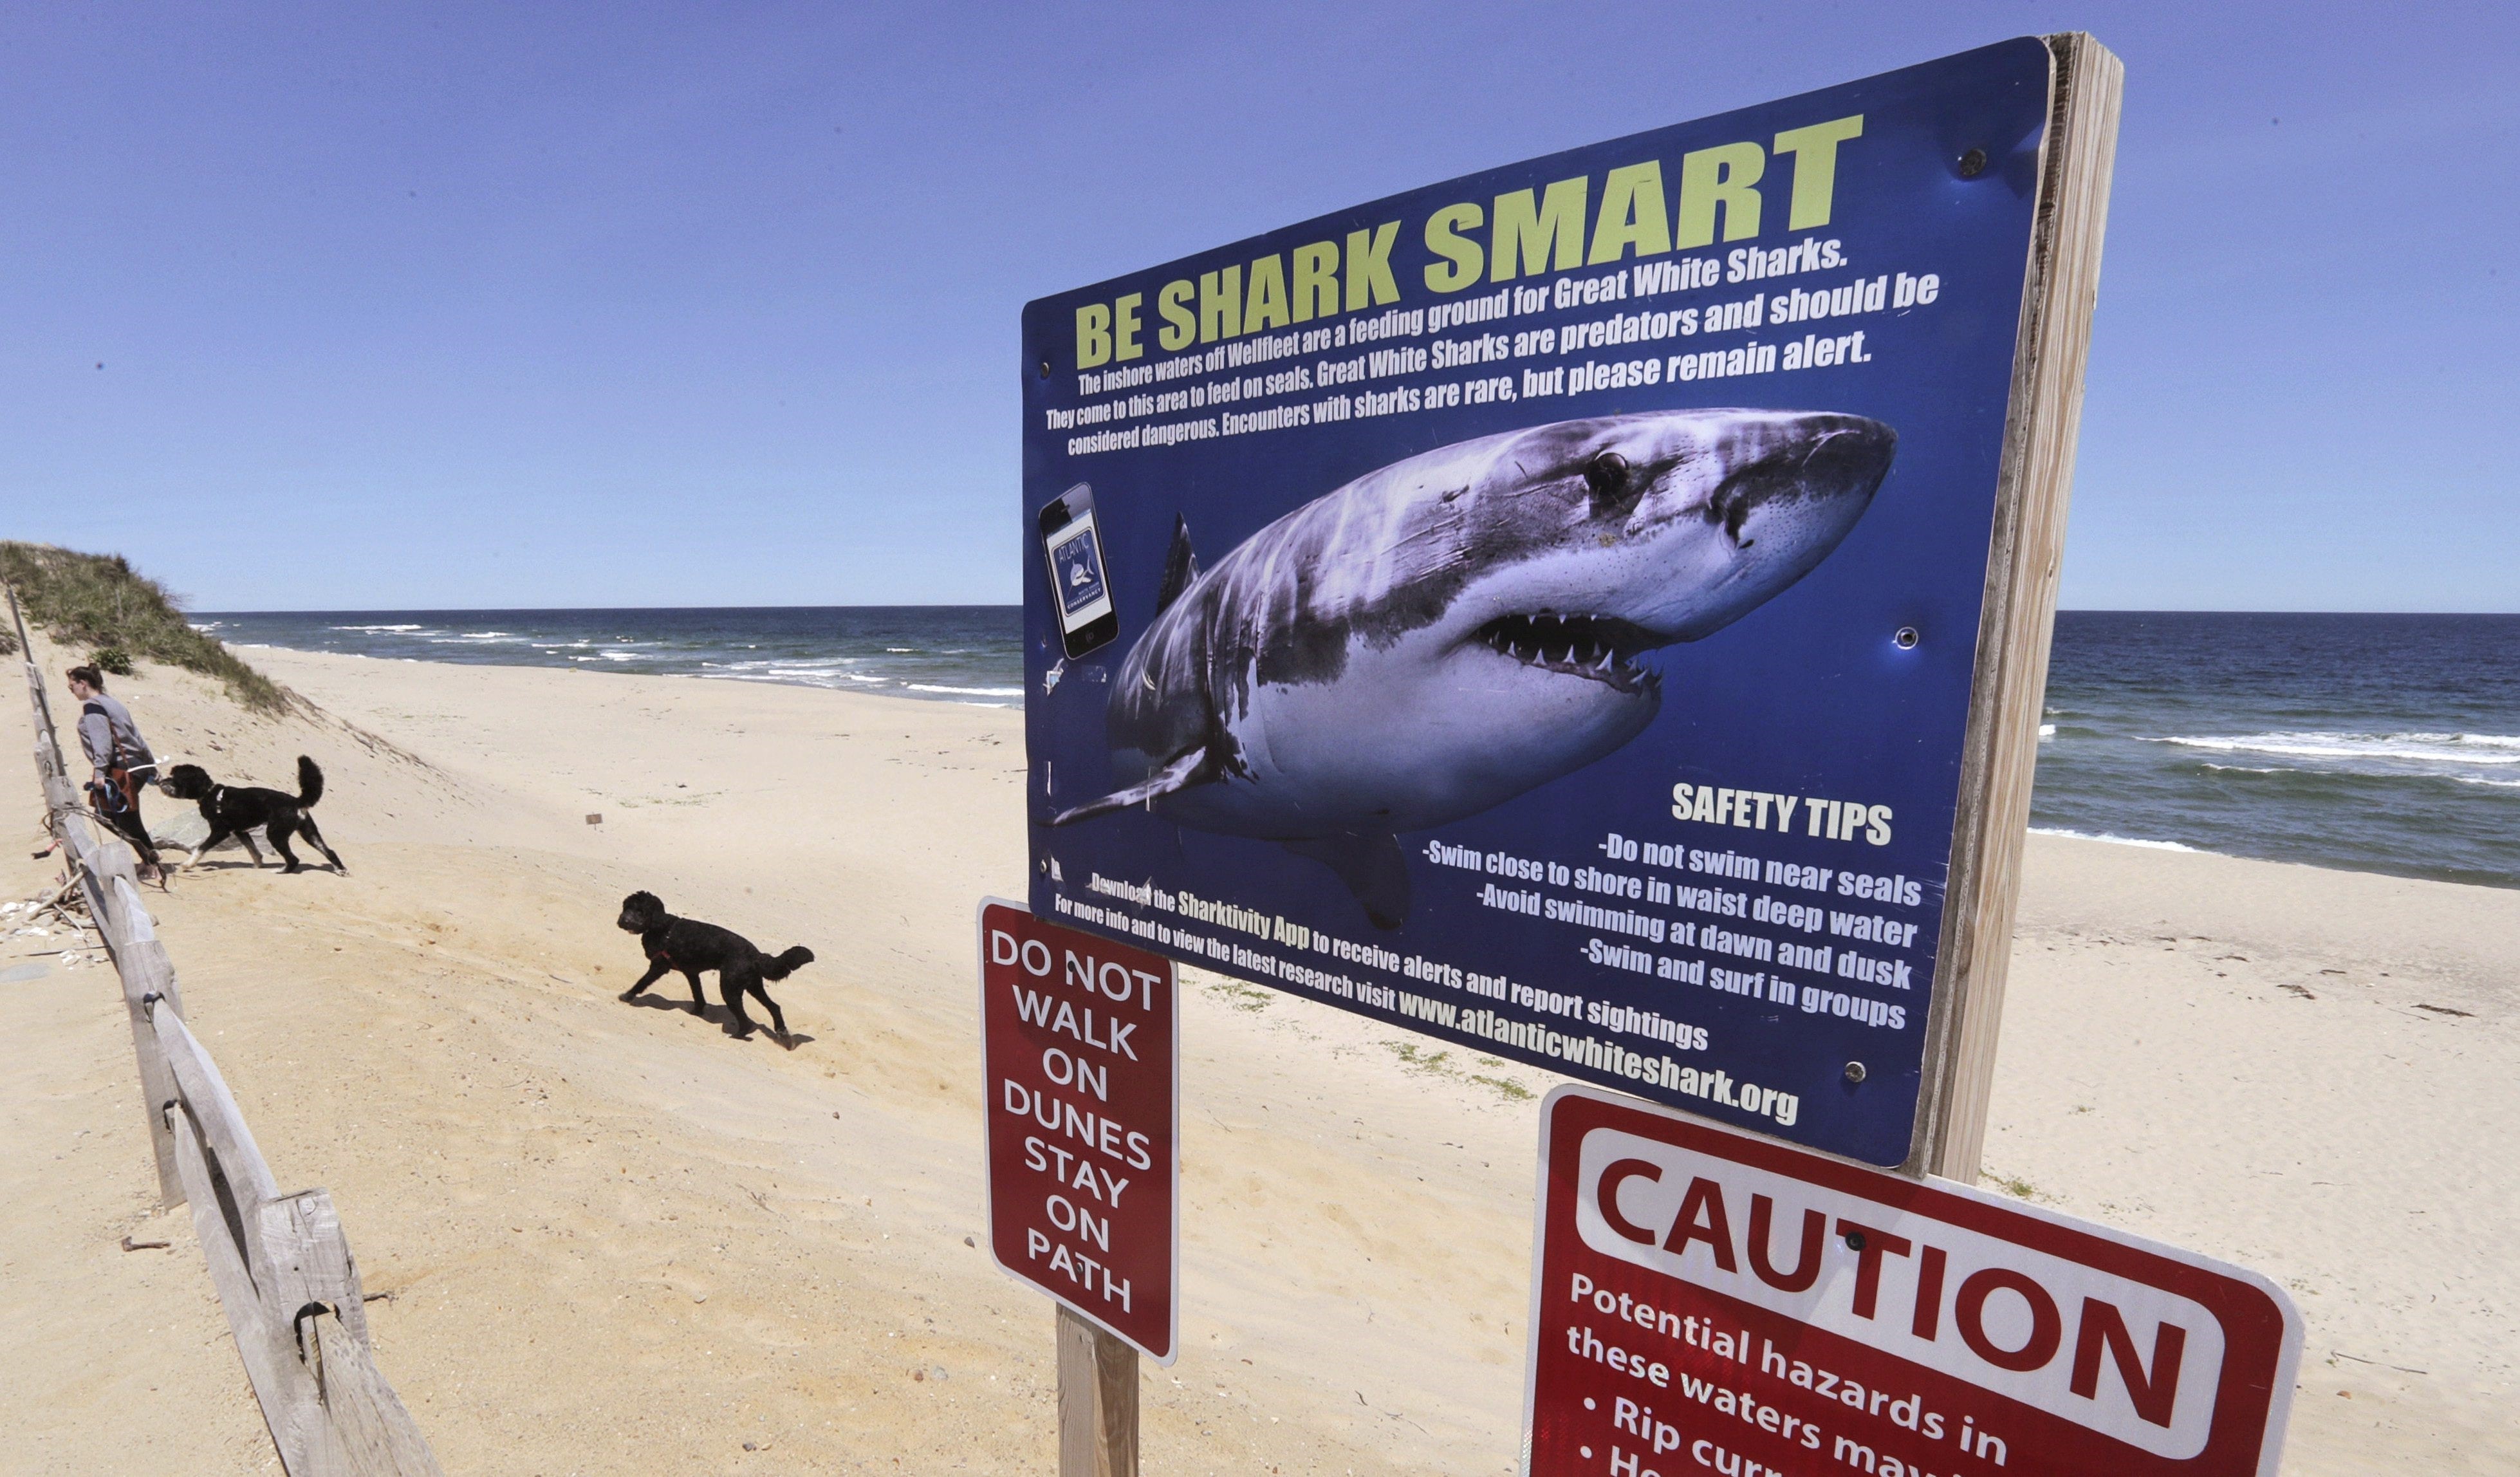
(1080, 1054)
(1703, 1300)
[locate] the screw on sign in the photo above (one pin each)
(1704, 1301)
(1078, 1058)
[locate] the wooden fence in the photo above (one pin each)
(284, 1272)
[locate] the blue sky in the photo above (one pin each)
(632, 305)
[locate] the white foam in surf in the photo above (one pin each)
(832, 665)
(782, 674)
(788, 676)
(2412, 748)
(2086, 836)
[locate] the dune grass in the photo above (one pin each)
(99, 605)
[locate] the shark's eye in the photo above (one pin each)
(1608, 475)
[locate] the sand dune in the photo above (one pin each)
(617, 1241)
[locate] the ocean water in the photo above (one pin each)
(951, 654)
(2376, 742)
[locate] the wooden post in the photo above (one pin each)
(58, 797)
(1999, 754)
(61, 801)
(47, 743)
(1098, 1402)
(224, 1215)
(113, 874)
(376, 1434)
(140, 962)
(287, 1285)
(351, 1420)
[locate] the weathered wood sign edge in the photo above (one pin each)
(2000, 756)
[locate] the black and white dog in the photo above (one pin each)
(237, 810)
(690, 945)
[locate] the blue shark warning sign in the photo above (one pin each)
(1540, 609)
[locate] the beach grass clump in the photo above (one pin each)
(1234, 993)
(1418, 1058)
(98, 602)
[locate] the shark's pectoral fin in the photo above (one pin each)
(1196, 767)
(1372, 867)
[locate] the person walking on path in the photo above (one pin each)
(123, 763)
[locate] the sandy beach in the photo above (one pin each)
(613, 1239)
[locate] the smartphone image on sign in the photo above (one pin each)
(1078, 583)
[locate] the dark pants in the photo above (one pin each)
(117, 799)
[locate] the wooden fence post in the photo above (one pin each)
(1098, 1402)
(287, 1285)
(362, 1425)
(225, 1203)
(141, 960)
(376, 1435)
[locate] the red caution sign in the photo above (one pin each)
(1079, 1054)
(1707, 1301)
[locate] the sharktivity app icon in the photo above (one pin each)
(1547, 601)
(1079, 567)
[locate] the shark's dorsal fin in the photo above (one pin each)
(1193, 768)
(1181, 566)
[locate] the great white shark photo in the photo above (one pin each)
(1459, 628)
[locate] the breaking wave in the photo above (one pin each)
(2411, 749)
(2088, 836)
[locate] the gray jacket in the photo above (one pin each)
(109, 736)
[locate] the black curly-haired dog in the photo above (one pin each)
(237, 810)
(690, 947)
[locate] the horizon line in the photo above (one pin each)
(1018, 605)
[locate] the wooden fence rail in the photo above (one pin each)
(283, 1270)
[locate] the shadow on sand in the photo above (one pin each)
(720, 1014)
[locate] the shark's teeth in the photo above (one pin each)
(1595, 647)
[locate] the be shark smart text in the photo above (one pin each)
(1722, 193)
